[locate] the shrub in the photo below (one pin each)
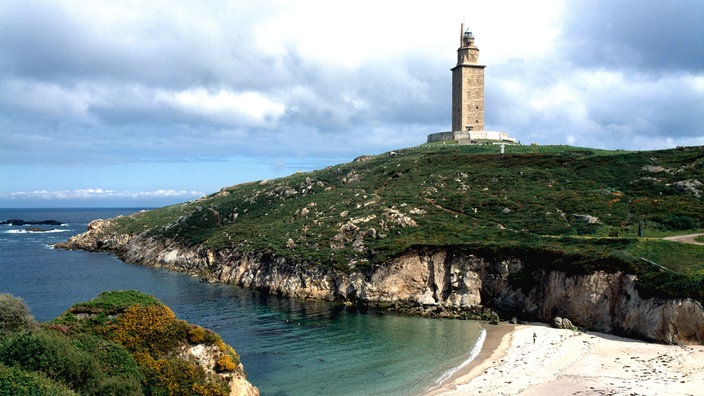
(16, 381)
(125, 375)
(230, 360)
(210, 389)
(196, 335)
(53, 354)
(14, 314)
(118, 386)
(225, 363)
(165, 376)
(153, 329)
(199, 335)
(679, 222)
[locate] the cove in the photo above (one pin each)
(288, 346)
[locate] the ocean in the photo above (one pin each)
(288, 346)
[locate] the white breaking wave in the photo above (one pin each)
(32, 231)
(472, 355)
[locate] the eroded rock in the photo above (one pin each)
(427, 284)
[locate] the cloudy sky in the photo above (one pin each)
(135, 103)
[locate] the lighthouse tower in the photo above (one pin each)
(467, 86)
(468, 100)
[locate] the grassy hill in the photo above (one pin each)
(567, 208)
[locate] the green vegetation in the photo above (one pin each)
(114, 302)
(121, 343)
(14, 315)
(17, 381)
(574, 208)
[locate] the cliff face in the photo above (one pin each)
(206, 357)
(424, 282)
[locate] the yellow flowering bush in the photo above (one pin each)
(225, 363)
(177, 377)
(196, 335)
(209, 389)
(152, 328)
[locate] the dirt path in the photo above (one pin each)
(689, 238)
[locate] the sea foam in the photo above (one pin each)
(32, 232)
(472, 355)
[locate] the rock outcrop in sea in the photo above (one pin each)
(432, 282)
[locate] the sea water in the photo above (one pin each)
(288, 346)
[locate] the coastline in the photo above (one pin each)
(570, 362)
(495, 346)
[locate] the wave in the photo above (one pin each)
(33, 232)
(472, 355)
(36, 224)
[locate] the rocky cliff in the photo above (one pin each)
(439, 282)
(206, 357)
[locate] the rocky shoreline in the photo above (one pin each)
(20, 222)
(440, 283)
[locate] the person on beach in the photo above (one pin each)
(534, 337)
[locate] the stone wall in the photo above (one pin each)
(464, 137)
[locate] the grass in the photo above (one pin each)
(678, 257)
(531, 200)
(114, 302)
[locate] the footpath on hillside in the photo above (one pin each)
(689, 238)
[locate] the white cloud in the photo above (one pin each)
(349, 34)
(510, 30)
(698, 84)
(134, 84)
(243, 108)
(98, 193)
(45, 99)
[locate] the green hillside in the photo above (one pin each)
(560, 207)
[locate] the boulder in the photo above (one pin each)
(562, 323)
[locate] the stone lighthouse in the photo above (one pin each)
(467, 86)
(468, 100)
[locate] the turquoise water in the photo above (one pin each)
(288, 346)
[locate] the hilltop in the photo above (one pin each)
(576, 211)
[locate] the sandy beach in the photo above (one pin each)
(566, 362)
